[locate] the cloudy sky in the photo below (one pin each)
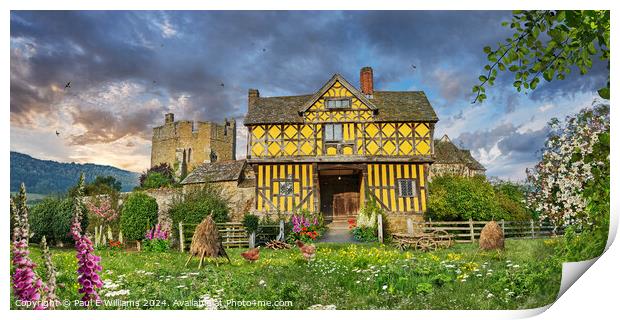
(127, 69)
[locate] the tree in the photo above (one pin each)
(51, 218)
(138, 215)
(512, 199)
(103, 184)
(571, 181)
(549, 44)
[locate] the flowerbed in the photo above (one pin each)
(343, 276)
(306, 226)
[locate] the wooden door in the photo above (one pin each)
(346, 204)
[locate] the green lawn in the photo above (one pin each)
(343, 275)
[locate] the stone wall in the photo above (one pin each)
(397, 222)
(240, 200)
(438, 169)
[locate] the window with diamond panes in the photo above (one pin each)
(286, 187)
(406, 188)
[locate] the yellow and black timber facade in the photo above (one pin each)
(329, 151)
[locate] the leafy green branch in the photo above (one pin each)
(547, 44)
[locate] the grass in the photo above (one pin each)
(344, 276)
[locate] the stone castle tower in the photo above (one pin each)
(187, 144)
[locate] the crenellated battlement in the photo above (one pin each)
(185, 144)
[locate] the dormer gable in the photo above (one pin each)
(337, 88)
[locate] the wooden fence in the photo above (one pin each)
(469, 231)
(233, 234)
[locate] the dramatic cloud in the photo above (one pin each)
(503, 145)
(127, 69)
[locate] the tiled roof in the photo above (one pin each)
(216, 171)
(389, 105)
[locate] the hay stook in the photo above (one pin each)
(491, 237)
(206, 242)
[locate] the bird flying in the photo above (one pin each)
(68, 85)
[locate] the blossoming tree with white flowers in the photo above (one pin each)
(573, 169)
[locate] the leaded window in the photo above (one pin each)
(406, 188)
(286, 186)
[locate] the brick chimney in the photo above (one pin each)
(366, 84)
(169, 118)
(253, 96)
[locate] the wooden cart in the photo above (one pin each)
(426, 241)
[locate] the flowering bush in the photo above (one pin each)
(364, 229)
(156, 239)
(102, 208)
(307, 227)
(568, 164)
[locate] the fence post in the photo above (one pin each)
(181, 237)
(96, 237)
(380, 228)
(471, 230)
(503, 228)
(252, 239)
(532, 227)
(430, 220)
(409, 226)
(281, 234)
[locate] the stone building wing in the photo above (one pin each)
(472, 163)
(447, 153)
(216, 172)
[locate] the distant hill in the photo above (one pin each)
(51, 177)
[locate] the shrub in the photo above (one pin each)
(462, 198)
(250, 222)
(156, 180)
(194, 206)
(163, 169)
(512, 198)
(138, 213)
(364, 234)
(580, 246)
(52, 218)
